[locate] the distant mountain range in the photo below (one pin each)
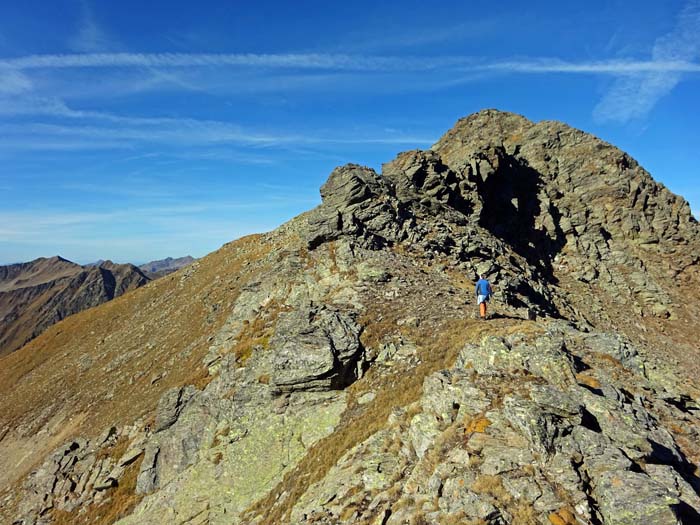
(37, 294)
(162, 267)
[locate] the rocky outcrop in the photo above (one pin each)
(315, 349)
(38, 294)
(79, 473)
(503, 439)
(339, 375)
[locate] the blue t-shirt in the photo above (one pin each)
(483, 287)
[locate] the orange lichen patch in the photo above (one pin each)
(478, 424)
(587, 380)
(562, 517)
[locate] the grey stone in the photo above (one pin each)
(169, 407)
(630, 498)
(315, 349)
(147, 480)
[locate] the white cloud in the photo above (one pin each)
(337, 62)
(13, 82)
(30, 227)
(132, 131)
(302, 61)
(90, 37)
(635, 95)
(602, 67)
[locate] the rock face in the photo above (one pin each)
(332, 371)
(38, 294)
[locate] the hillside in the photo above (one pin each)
(333, 370)
(37, 294)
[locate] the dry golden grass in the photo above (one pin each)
(333, 257)
(200, 378)
(588, 380)
(492, 486)
(113, 362)
(611, 360)
(256, 334)
(220, 434)
(523, 514)
(460, 518)
(116, 451)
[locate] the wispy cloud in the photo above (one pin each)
(662, 63)
(13, 82)
(30, 225)
(603, 67)
(635, 94)
(300, 61)
(171, 131)
(90, 36)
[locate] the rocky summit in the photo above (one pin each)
(335, 371)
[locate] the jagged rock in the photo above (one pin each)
(548, 359)
(147, 479)
(170, 406)
(349, 185)
(629, 498)
(130, 456)
(316, 348)
(423, 431)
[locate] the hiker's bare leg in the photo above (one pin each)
(482, 309)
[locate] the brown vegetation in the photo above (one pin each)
(121, 356)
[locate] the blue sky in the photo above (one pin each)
(137, 130)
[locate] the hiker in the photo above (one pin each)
(483, 294)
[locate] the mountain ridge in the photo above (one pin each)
(163, 267)
(39, 293)
(331, 371)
